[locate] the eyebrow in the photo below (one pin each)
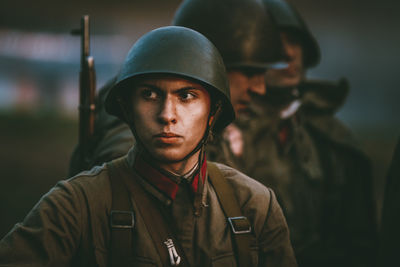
(186, 89)
(154, 87)
(148, 85)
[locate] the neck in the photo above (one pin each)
(181, 167)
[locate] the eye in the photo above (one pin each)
(187, 95)
(149, 94)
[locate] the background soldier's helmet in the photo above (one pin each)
(288, 18)
(179, 51)
(242, 30)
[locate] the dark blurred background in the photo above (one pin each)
(39, 65)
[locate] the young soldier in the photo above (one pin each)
(162, 204)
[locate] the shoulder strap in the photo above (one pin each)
(121, 221)
(240, 225)
(157, 226)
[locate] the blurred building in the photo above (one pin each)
(41, 69)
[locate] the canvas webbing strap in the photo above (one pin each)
(121, 221)
(240, 226)
(157, 226)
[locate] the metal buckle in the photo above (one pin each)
(234, 226)
(174, 258)
(122, 223)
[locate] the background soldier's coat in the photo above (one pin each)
(321, 177)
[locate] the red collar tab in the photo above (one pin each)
(161, 181)
(195, 182)
(283, 135)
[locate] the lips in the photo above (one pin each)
(167, 138)
(167, 135)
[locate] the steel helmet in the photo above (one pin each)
(178, 51)
(242, 30)
(287, 18)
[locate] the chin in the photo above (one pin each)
(169, 155)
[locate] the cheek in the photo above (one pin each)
(258, 82)
(299, 56)
(237, 86)
(141, 118)
(198, 116)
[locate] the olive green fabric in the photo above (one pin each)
(124, 185)
(70, 225)
(231, 209)
(321, 177)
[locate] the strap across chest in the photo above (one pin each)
(124, 185)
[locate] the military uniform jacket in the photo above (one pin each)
(70, 225)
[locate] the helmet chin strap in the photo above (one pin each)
(212, 118)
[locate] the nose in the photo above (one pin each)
(257, 84)
(288, 47)
(289, 51)
(167, 113)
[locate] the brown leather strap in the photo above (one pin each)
(157, 226)
(242, 235)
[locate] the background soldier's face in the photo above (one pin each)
(294, 73)
(244, 85)
(170, 115)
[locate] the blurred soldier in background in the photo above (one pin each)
(249, 43)
(390, 232)
(322, 178)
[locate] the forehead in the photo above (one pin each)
(292, 37)
(168, 82)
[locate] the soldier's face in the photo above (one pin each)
(244, 86)
(294, 73)
(170, 115)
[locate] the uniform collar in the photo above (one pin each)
(164, 182)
